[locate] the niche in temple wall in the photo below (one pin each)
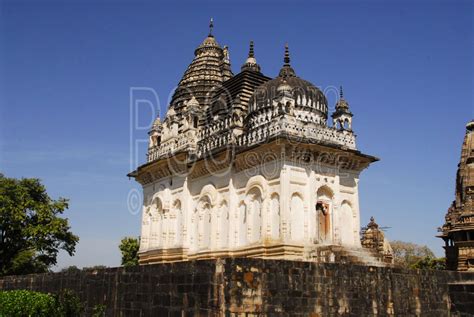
(274, 217)
(254, 204)
(324, 209)
(297, 217)
(347, 221)
(222, 234)
(202, 223)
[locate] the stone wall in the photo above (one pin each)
(257, 287)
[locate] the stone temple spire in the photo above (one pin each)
(287, 70)
(209, 68)
(465, 177)
(251, 62)
(457, 231)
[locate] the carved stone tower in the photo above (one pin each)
(458, 230)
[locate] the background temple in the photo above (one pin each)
(458, 230)
(248, 166)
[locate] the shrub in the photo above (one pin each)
(430, 263)
(99, 310)
(68, 304)
(129, 247)
(70, 269)
(21, 303)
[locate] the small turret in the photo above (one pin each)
(155, 134)
(342, 117)
(191, 114)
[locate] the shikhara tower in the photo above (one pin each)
(458, 230)
(247, 165)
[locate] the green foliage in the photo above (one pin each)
(407, 254)
(31, 229)
(20, 303)
(71, 268)
(99, 310)
(129, 247)
(69, 304)
(430, 263)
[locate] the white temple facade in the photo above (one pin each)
(246, 165)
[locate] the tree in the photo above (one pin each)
(129, 247)
(31, 230)
(70, 269)
(411, 255)
(429, 263)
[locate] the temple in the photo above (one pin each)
(248, 165)
(458, 229)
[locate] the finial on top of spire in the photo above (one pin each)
(251, 53)
(211, 26)
(341, 105)
(372, 224)
(286, 70)
(287, 56)
(251, 62)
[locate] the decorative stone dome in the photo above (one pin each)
(208, 43)
(307, 101)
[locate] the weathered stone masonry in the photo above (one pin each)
(230, 287)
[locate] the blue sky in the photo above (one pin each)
(66, 68)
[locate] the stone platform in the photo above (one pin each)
(257, 287)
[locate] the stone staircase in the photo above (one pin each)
(342, 254)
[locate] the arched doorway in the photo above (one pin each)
(323, 213)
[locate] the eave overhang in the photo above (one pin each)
(231, 156)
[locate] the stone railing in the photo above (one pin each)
(317, 134)
(219, 135)
(215, 141)
(214, 127)
(179, 143)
